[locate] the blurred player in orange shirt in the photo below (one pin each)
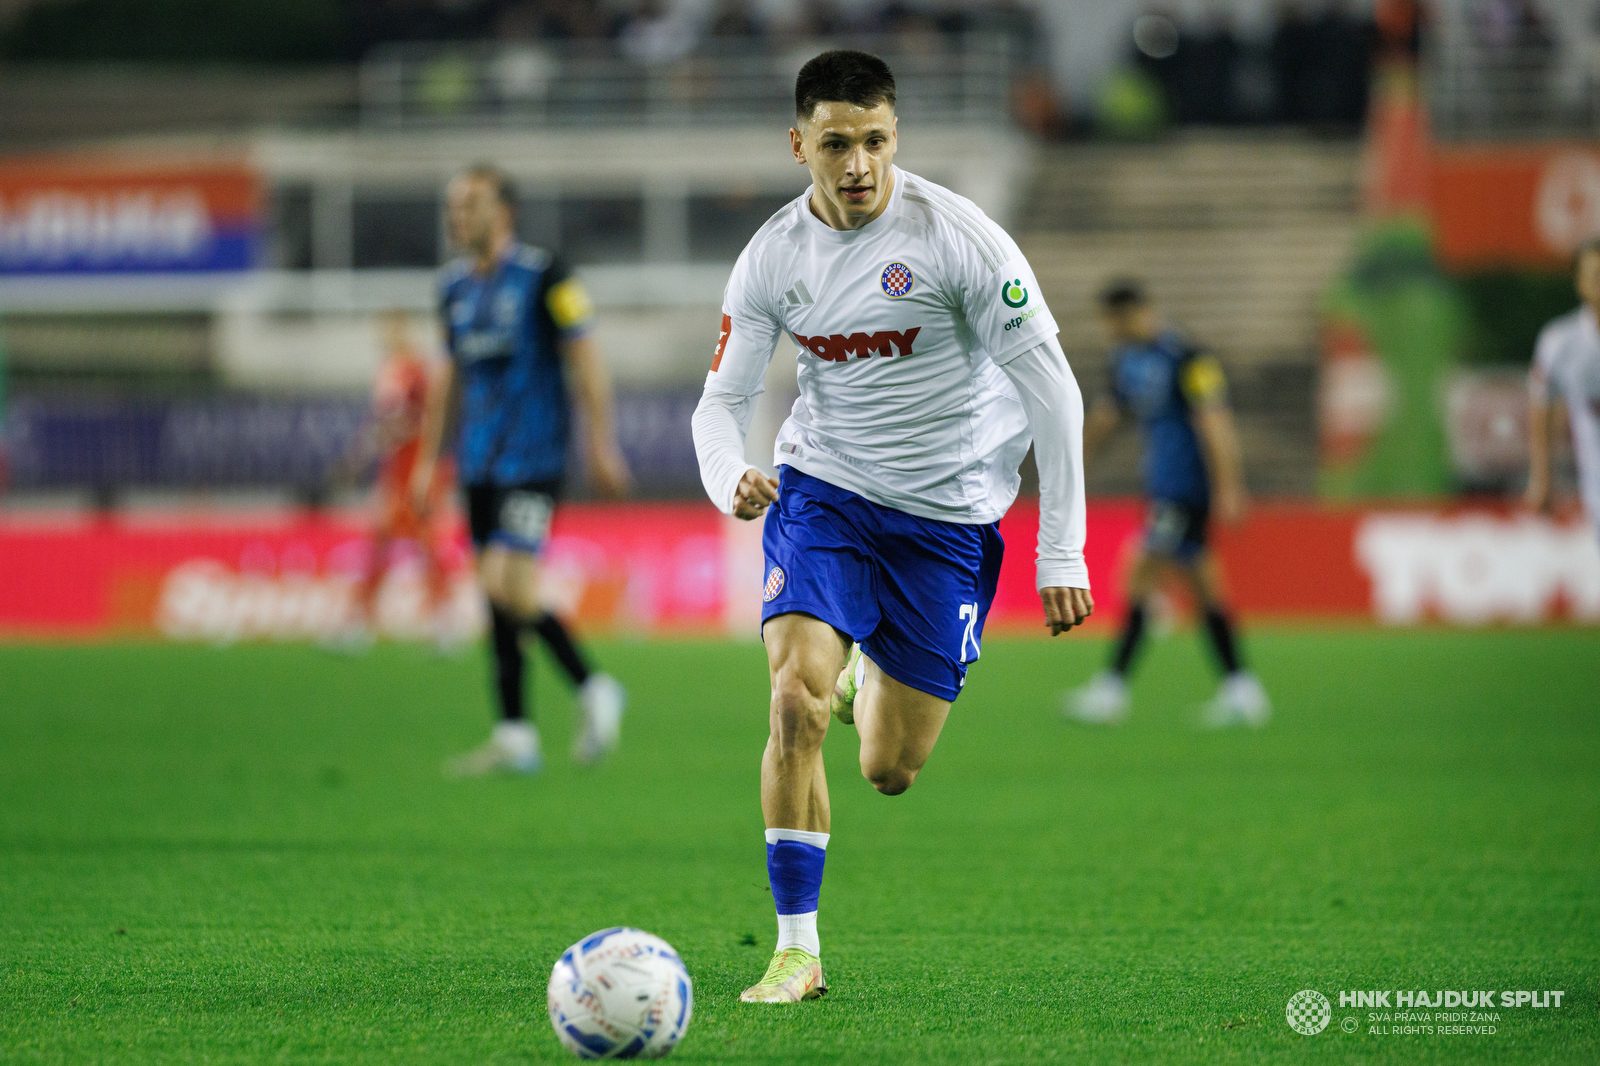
(393, 433)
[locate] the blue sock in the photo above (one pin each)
(794, 870)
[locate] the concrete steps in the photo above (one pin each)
(1237, 235)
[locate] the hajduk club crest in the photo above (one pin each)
(774, 584)
(896, 280)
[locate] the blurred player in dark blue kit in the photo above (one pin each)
(1191, 469)
(516, 325)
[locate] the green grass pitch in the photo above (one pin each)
(249, 855)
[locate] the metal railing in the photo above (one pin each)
(1513, 91)
(955, 77)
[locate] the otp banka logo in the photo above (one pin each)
(1309, 1012)
(1013, 293)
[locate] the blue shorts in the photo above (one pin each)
(913, 592)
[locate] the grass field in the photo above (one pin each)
(249, 855)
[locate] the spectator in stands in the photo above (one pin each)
(1339, 78)
(1211, 56)
(735, 18)
(1400, 25)
(554, 20)
(914, 30)
(1518, 51)
(376, 21)
(657, 34)
(1588, 49)
(1156, 43)
(1015, 20)
(809, 19)
(1289, 56)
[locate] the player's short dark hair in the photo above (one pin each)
(844, 74)
(1123, 294)
(505, 190)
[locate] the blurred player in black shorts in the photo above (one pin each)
(1191, 469)
(517, 329)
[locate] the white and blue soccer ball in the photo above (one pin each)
(620, 994)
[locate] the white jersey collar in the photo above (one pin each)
(849, 236)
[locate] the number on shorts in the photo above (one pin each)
(969, 611)
(526, 515)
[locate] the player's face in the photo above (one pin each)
(1588, 278)
(474, 213)
(849, 150)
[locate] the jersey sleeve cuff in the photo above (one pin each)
(1069, 574)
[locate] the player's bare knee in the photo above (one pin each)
(890, 780)
(799, 714)
(888, 774)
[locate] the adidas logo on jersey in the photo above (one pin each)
(797, 296)
(839, 348)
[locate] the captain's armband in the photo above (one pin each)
(569, 304)
(1203, 382)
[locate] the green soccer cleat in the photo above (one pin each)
(793, 975)
(851, 678)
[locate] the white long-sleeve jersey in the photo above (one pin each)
(928, 362)
(1566, 364)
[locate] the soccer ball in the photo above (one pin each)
(620, 994)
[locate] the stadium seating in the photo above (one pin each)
(1238, 234)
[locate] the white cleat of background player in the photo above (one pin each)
(601, 699)
(1240, 701)
(1103, 701)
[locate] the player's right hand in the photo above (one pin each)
(755, 493)
(1065, 608)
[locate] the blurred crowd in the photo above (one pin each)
(661, 31)
(1312, 66)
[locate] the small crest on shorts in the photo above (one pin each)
(774, 584)
(896, 280)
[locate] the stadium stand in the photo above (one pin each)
(1238, 233)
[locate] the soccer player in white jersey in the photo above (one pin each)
(1566, 365)
(928, 361)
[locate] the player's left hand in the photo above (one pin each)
(1065, 608)
(610, 470)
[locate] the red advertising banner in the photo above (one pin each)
(670, 567)
(1525, 205)
(81, 218)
